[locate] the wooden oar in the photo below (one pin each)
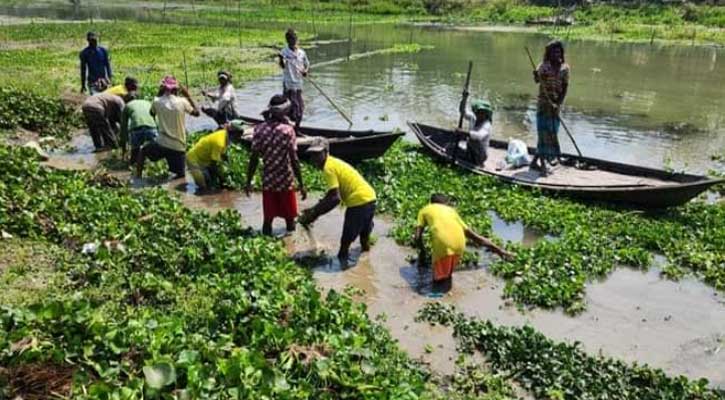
(465, 94)
(322, 92)
(464, 100)
(551, 102)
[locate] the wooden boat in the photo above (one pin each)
(324, 132)
(603, 180)
(351, 146)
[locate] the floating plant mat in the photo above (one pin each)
(592, 238)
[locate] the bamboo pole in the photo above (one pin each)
(349, 33)
(239, 16)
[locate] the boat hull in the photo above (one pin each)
(351, 146)
(662, 188)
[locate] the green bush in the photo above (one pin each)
(37, 113)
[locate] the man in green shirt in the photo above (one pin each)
(137, 124)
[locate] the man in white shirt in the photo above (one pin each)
(479, 131)
(295, 64)
(170, 111)
(223, 109)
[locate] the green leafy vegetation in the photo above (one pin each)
(43, 58)
(47, 116)
(163, 300)
(562, 371)
(592, 239)
(28, 270)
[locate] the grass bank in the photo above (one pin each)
(664, 23)
(43, 58)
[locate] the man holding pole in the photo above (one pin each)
(552, 75)
(295, 64)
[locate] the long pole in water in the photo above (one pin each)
(465, 93)
(566, 129)
(322, 92)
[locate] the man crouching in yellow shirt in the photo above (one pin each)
(204, 158)
(346, 185)
(448, 233)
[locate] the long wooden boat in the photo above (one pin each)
(352, 147)
(324, 132)
(605, 181)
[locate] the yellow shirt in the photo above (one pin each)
(447, 229)
(354, 189)
(208, 149)
(118, 90)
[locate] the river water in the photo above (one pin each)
(635, 103)
(658, 106)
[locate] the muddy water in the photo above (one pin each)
(632, 315)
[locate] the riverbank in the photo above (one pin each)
(667, 24)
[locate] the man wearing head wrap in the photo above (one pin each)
(295, 64)
(479, 132)
(552, 75)
(170, 112)
(222, 109)
(137, 125)
(344, 185)
(102, 113)
(95, 64)
(204, 159)
(275, 142)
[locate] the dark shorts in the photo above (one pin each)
(358, 222)
(175, 159)
(141, 135)
(298, 104)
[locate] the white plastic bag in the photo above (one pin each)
(517, 154)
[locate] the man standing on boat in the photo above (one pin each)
(95, 65)
(344, 185)
(295, 64)
(479, 131)
(448, 238)
(275, 142)
(552, 75)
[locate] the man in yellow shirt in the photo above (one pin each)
(448, 234)
(344, 185)
(204, 158)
